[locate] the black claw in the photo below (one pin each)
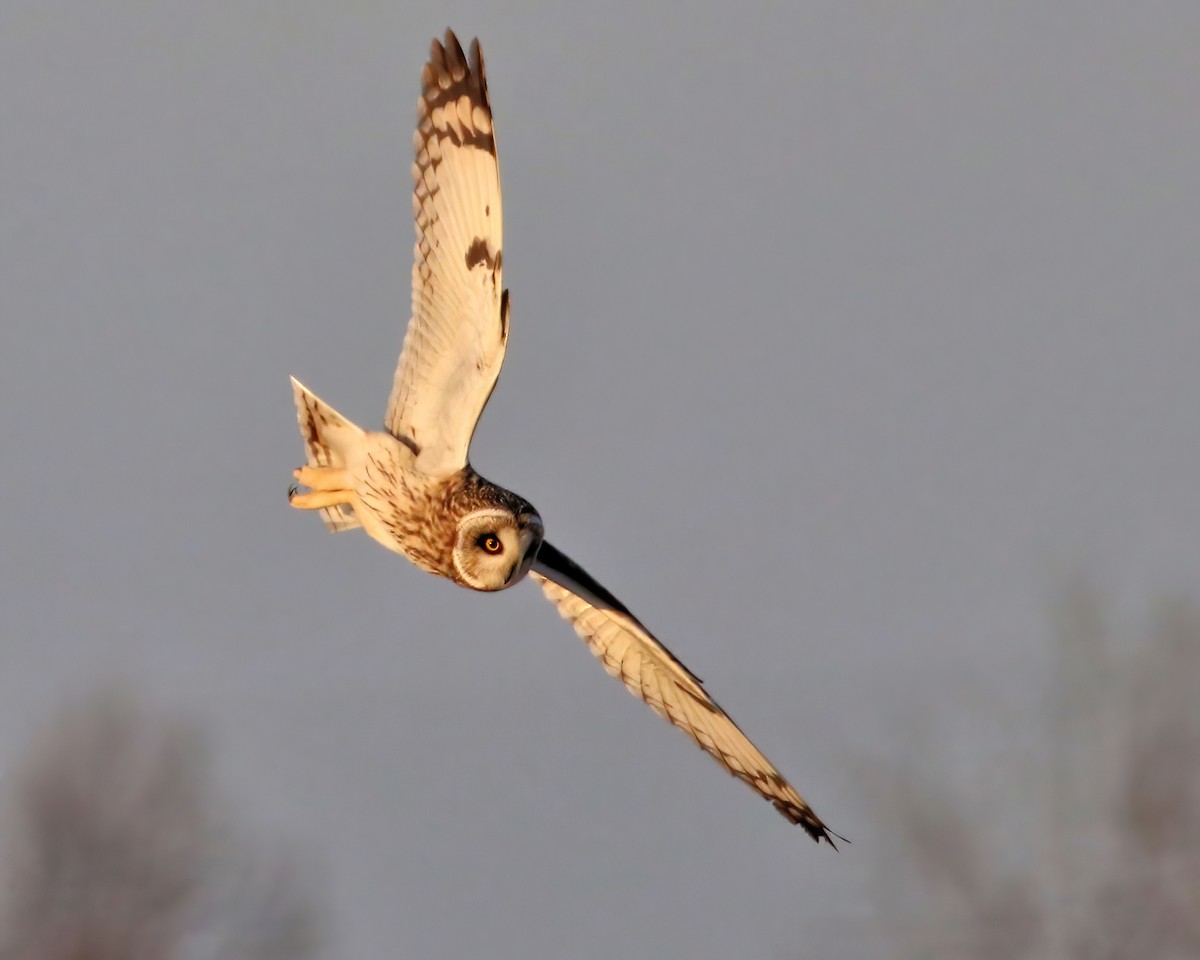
(293, 489)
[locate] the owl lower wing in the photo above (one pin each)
(630, 653)
(455, 343)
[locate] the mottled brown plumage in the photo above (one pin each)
(411, 487)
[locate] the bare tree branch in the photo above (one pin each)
(113, 852)
(1115, 872)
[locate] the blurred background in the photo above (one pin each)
(854, 347)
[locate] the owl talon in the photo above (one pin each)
(319, 499)
(323, 478)
(293, 489)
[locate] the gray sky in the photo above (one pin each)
(841, 336)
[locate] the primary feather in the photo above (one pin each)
(458, 331)
(633, 655)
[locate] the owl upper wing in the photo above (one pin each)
(631, 653)
(456, 337)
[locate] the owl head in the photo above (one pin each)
(495, 547)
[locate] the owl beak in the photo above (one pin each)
(529, 535)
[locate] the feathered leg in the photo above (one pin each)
(327, 434)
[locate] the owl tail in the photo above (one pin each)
(328, 436)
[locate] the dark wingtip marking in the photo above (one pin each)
(437, 55)
(454, 49)
(477, 58)
(446, 57)
(824, 833)
(477, 68)
(810, 822)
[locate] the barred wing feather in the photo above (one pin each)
(458, 331)
(631, 653)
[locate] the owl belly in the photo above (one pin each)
(401, 508)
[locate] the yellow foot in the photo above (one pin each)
(319, 499)
(328, 487)
(323, 478)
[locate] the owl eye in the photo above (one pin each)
(491, 543)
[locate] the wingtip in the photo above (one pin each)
(802, 816)
(448, 64)
(477, 66)
(818, 831)
(454, 58)
(826, 836)
(437, 54)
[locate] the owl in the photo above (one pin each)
(411, 486)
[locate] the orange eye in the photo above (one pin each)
(491, 543)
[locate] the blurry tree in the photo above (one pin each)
(1111, 870)
(112, 851)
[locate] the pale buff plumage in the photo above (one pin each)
(411, 486)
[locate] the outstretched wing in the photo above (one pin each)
(630, 653)
(456, 337)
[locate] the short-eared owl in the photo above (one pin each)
(411, 486)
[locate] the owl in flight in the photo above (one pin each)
(411, 486)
